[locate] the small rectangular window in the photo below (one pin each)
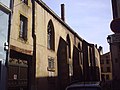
(101, 69)
(51, 63)
(101, 61)
(108, 69)
(107, 61)
(103, 77)
(107, 77)
(23, 27)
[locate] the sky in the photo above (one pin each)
(90, 19)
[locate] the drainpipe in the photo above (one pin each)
(9, 28)
(8, 41)
(33, 63)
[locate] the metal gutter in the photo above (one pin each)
(32, 85)
(4, 8)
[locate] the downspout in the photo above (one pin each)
(33, 64)
(9, 28)
(8, 40)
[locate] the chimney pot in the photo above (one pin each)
(63, 12)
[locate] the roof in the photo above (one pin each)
(4, 8)
(106, 54)
(40, 2)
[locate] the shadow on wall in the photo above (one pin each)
(62, 80)
(81, 71)
(63, 66)
(47, 83)
(77, 69)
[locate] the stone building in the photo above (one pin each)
(106, 66)
(114, 42)
(46, 53)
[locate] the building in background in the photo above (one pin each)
(106, 66)
(45, 53)
(114, 42)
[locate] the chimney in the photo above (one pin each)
(63, 12)
(100, 50)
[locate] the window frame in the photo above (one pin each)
(102, 61)
(102, 69)
(107, 77)
(23, 27)
(51, 64)
(50, 36)
(107, 61)
(108, 69)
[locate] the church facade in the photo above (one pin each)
(45, 52)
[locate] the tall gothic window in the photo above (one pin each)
(50, 36)
(23, 27)
(69, 46)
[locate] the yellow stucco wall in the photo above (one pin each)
(25, 10)
(42, 17)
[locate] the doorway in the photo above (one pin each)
(18, 71)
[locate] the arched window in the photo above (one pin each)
(69, 45)
(79, 46)
(50, 36)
